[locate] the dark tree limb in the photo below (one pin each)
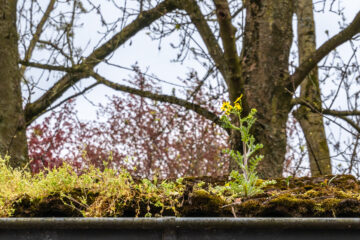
(160, 97)
(49, 67)
(197, 18)
(69, 98)
(351, 122)
(227, 35)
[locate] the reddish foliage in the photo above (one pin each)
(48, 140)
(144, 136)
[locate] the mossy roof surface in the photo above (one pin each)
(325, 196)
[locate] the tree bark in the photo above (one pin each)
(266, 49)
(311, 122)
(12, 120)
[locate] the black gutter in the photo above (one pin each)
(179, 228)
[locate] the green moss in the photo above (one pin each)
(312, 193)
(250, 208)
(287, 206)
(202, 203)
(348, 208)
(326, 208)
(345, 182)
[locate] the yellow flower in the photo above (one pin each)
(238, 99)
(226, 107)
(237, 106)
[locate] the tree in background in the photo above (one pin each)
(311, 121)
(245, 46)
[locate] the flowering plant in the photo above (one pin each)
(246, 183)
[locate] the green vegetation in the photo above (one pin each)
(244, 183)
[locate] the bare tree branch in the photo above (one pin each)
(49, 67)
(54, 46)
(238, 11)
(68, 98)
(144, 19)
(212, 45)
(227, 34)
(308, 64)
(336, 113)
(351, 122)
(340, 114)
(35, 39)
(160, 97)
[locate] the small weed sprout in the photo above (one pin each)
(287, 181)
(246, 183)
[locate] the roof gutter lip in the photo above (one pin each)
(181, 223)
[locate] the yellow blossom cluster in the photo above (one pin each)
(227, 107)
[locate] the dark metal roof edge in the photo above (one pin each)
(172, 222)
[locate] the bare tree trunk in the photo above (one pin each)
(12, 123)
(266, 48)
(311, 122)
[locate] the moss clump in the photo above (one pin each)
(348, 208)
(312, 193)
(250, 208)
(202, 203)
(287, 205)
(52, 205)
(326, 196)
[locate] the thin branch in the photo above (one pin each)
(344, 74)
(56, 48)
(336, 113)
(308, 64)
(160, 97)
(340, 114)
(35, 39)
(238, 11)
(49, 67)
(351, 122)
